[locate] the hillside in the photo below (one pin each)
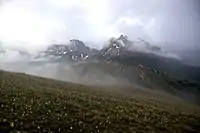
(33, 104)
(116, 74)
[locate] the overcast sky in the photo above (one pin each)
(36, 23)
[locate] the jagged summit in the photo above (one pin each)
(121, 41)
(78, 50)
(116, 47)
(75, 50)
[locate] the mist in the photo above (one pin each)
(65, 71)
(34, 24)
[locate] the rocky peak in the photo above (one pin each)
(77, 45)
(123, 38)
(75, 50)
(56, 49)
(125, 41)
(116, 47)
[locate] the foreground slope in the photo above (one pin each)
(33, 104)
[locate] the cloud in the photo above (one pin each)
(36, 23)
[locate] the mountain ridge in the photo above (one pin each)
(118, 63)
(120, 50)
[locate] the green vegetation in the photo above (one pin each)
(33, 104)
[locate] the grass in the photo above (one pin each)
(33, 104)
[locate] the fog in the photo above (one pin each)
(75, 73)
(33, 24)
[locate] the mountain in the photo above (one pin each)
(115, 47)
(75, 51)
(123, 51)
(120, 62)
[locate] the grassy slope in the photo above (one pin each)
(33, 104)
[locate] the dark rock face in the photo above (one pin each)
(117, 47)
(76, 50)
(76, 45)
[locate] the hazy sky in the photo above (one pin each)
(34, 23)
